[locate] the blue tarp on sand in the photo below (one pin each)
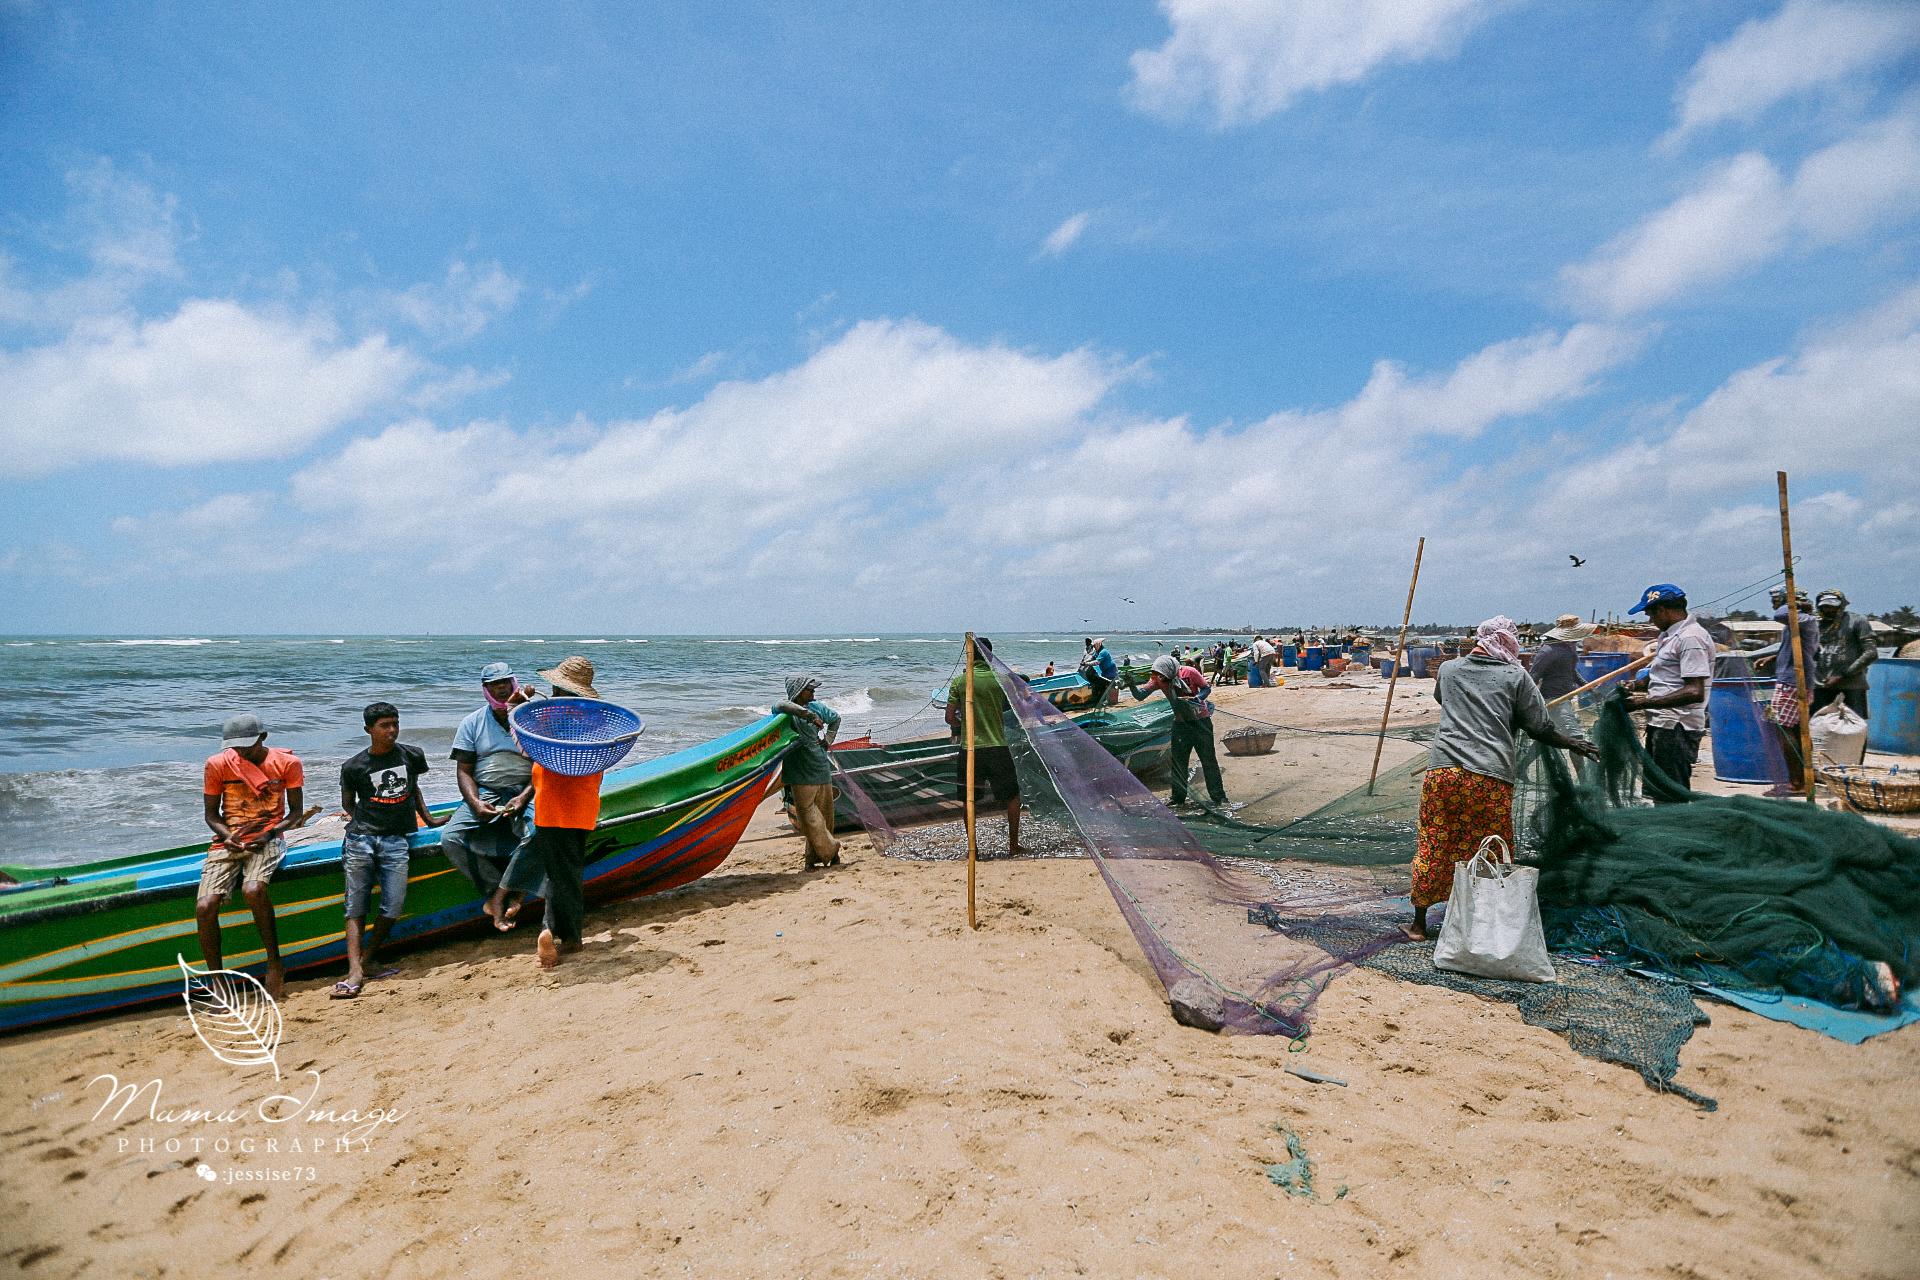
(1849, 1025)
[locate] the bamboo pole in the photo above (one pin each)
(973, 847)
(1612, 675)
(1799, 655)
(1393, 675)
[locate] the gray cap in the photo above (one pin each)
(496, 671)
(242, 730)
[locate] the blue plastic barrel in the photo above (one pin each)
(1745, 747)
(1893, 706)
(1289, 655)
(1424, 661)
(1313, 659)
(1591, 666)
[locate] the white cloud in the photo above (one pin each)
(127, 233)
(1245, 60)
(1807, 45)
(1744, 213)
(1508, 379)
(1064, 236)
(923, 468)
(889, 410)
(1860, 182)
(213, 382)
(1830, 407)
(1736, 218)
(1838, 415)
(463, 304)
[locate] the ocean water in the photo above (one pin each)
(102, 738)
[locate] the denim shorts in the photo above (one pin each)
(367, 858)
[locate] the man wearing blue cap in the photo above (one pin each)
(1674, 692)
(496, 786)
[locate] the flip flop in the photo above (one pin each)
(344, 990)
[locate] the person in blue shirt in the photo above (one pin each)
(1100, 670)
(496, 787)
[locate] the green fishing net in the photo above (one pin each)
(1737, 891)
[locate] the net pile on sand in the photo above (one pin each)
(1757, 894)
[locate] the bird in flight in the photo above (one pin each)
(1124, 600)
(1577, 561)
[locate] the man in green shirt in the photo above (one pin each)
(806, 770)
(992, 758)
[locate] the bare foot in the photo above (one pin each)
(1016, 850)
(276, 981)
(1414, 932)
(546, 949)
(496, 909)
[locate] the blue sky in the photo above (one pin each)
(752, 317)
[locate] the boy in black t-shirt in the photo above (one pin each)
(380, 790)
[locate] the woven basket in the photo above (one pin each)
(1249, 742)
(1873, 789)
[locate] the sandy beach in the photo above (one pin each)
(828, 1074)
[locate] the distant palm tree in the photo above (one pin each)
(1904, 617)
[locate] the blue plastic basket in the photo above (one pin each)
(575, 736)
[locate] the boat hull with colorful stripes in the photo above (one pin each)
(104, 936)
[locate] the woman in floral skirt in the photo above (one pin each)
(1485, 699)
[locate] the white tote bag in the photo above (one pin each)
(1493, 919)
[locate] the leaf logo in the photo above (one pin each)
(233, 1015)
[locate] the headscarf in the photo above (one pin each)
(1167, 668)
(502, 704)
(1838, 595)
(1497, 638)
(799, 684)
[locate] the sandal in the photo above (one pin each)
(345, 990)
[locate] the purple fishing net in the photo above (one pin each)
(1214, 933)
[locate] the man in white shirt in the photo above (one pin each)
(1262, 658)
(1674, 692)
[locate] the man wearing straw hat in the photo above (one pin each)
(552, 863)
(572, 678)
(1554, 669)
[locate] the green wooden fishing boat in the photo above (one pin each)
(104, 935)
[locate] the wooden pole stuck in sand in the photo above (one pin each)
(1801, 690)
(1393, 675)
(973, 845)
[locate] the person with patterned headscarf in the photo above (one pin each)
(1467, 796)
(808, 771)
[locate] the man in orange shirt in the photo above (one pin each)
(253, 793)
(565, 812)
